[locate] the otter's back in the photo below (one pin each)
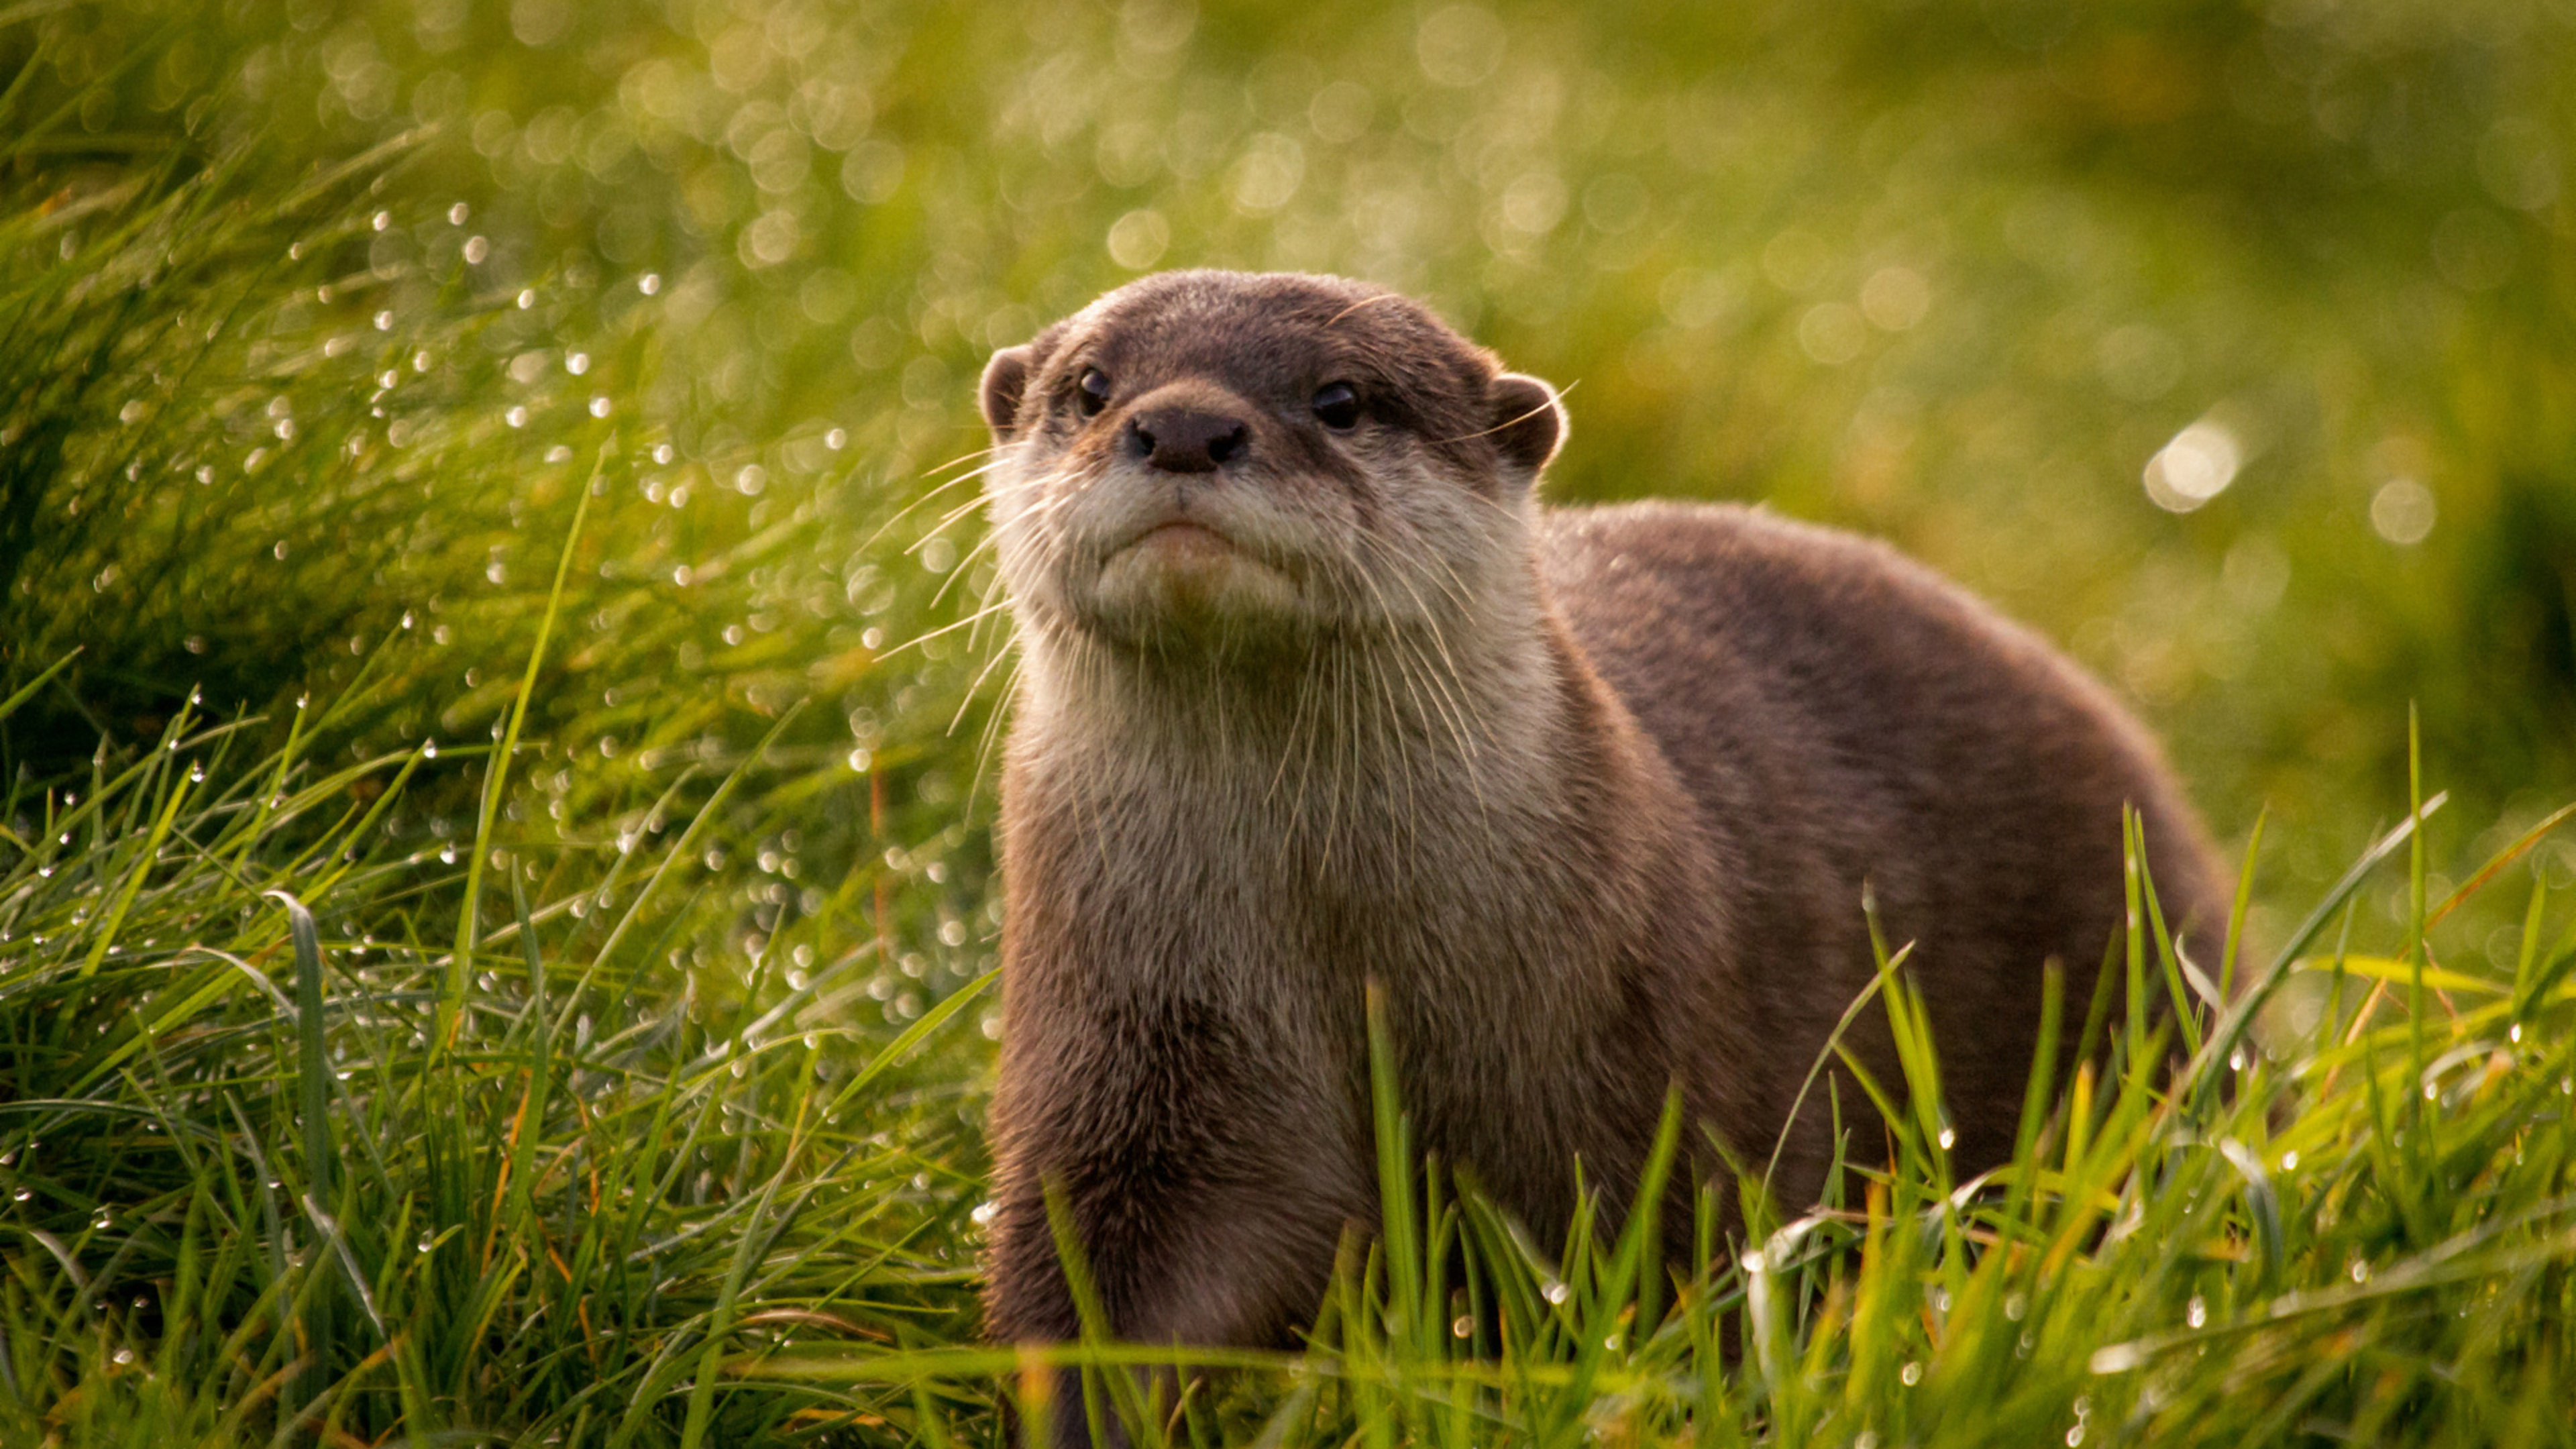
(1843, 716)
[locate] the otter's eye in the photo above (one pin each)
(1094, 394)
(1337, 406)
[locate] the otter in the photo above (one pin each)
(1313, 693)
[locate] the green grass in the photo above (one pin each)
(495, 904)
(274, 1174)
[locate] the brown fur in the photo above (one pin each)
(1595, 794)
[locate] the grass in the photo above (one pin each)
(495, 915)
(275, 1176)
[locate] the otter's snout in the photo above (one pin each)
(1188, 439)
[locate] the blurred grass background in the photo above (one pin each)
(2233, 345)
(1954, 274)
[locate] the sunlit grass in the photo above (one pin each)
(251, 1188)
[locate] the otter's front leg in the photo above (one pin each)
(1205, 1182)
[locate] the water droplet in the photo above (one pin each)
(381, 220)
(427, 1242)
(1556, 1293)
(662, 453)
(456, 214)
(447, 855)
(1461, 1326)
(2290, 1160)
(599, 407)
(2359, 1270)
(649, 283)
(2015, 1305)
(1911, 1374)
(2432, 1092)
(385, 323)
(2514, 1033)
(577, 363)
(2197, 1314)
(21, 1195)
(2236, 1060)
(123, 1355)
(476, 249)
(2075, 1435)
(516, 417)
(526, 299)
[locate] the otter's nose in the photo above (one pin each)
(1188, 440)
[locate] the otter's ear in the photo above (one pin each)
(1528, 423)
(1005, 378)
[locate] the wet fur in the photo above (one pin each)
(1594, 793)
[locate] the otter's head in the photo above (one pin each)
(1221, 463)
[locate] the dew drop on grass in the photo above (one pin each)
(984, 1213)
(1948, 1139)
(2514, 1033)
(2236, 1060)
(2075, 1436)
(1911, 1374)
(1461, 1326)
(2290, 1160)
(2197, 1314)
(2015, 1305)
(2359, 1270)
(123, 1356)
(21, 1195)
(1555, 1293)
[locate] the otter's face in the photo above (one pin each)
(1216, 461)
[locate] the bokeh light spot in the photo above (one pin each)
(2403, 511)
(2195, 467)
